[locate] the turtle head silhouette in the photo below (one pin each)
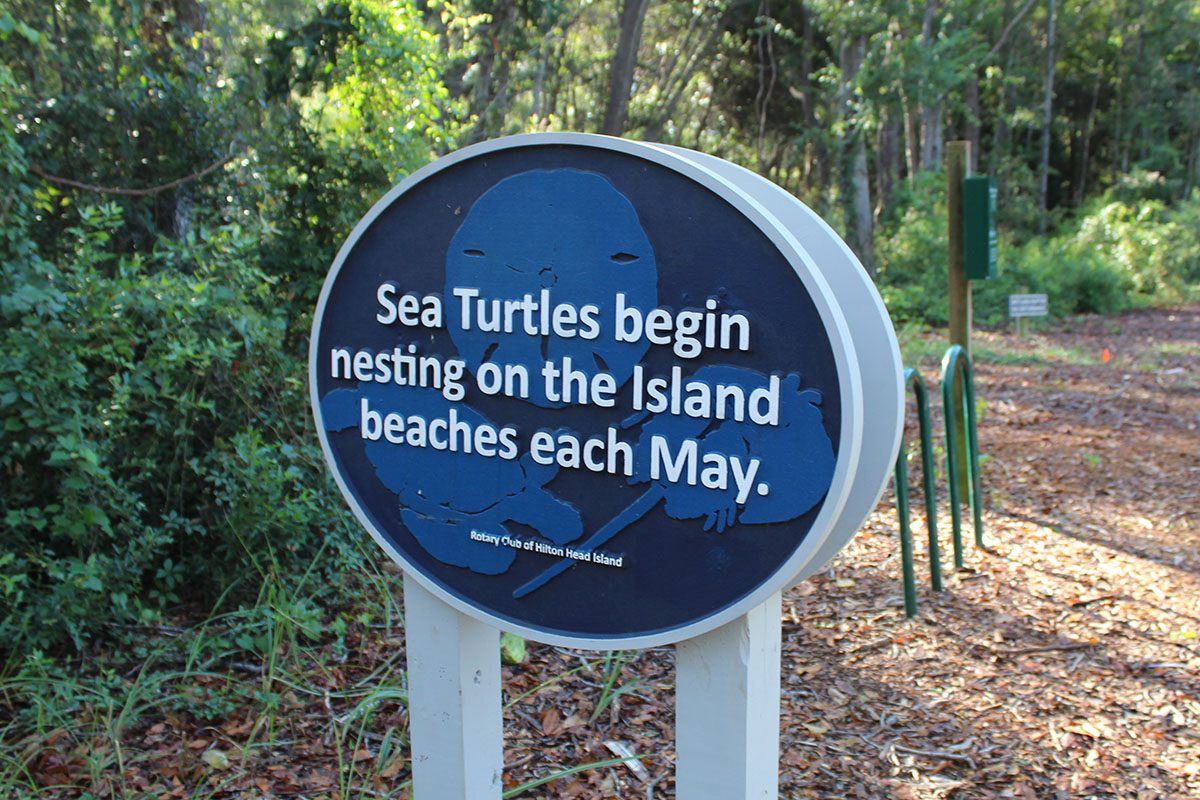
(533, 253)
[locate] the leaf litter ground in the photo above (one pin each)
(1062, 662)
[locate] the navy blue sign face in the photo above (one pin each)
(577, 390)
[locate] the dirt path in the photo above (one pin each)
(1061, 663)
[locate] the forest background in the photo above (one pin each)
(176, 176)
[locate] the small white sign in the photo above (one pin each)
(1027, 305)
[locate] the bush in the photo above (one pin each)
(157, 445)
(1155, 247)
(1075, 281)
(147, 406)
(912, 254)
(1118, 253)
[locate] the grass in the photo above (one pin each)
(614, 664)
(229, 692)
(1012, 358)
(283, 687)
(92, 711)
(1165, 353)
(924, 347)
(516, 791)
(245, 689)
(918, 347)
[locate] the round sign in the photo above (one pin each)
(589, 390)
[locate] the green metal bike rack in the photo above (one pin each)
(955, 361)
(913, 379)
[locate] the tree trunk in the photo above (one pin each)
(1081, 181)
(767, 74)
(887, 147)
(931, 108)
(912, 136)
(542, 54)
(1194, 173)
(974, 114)
(1002, 140)
(557, 54)
(633, 15)
(862, 223)
(1047, 115)
(888, 161)
(856, 195)
(931, 137)
(483, 98)
(674, 83)
(816, 157)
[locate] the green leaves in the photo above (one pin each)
(8, 26)
(149, 420)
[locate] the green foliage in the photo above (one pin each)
(614, 664)
(1156, 248)
(912, 254)
(154, 441)
(262, 661)
(157, 444)
(1076, 280)
(122, 96)
(512, 649)
(353, 103)
(1115, 254)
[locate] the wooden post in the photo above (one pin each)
(958, 160)
(727, 709)
(453, 700)
(958, 156)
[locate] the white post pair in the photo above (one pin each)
(726, 705)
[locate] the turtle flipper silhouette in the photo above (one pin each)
(446, 494)
(795, 465)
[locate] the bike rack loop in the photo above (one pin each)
(913, 379)
(956, 360)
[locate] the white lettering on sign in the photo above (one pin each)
(409, 309)
(697, 399)
(718, 468)
(1027, 305)
(596, 454)
(441, 433)
(402, 366)
(546, 548)
(689, 332)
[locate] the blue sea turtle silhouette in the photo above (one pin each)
(796, 463)
(566, 231)
(444, 495)
(796, 457)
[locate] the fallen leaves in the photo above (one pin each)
(1064, 665)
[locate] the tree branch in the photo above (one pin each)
(1007, 30)
(153, 190)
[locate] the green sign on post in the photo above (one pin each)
(979, 227)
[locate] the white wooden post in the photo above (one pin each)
(453, 700)
(727, 709)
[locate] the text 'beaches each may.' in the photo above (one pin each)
(689, 333)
